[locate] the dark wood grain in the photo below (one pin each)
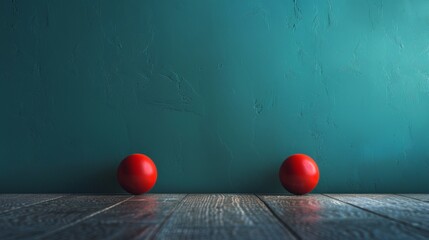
(407, 211)
(214, 216)
(223, 216)
(420, 197)
(9, 202)
(136, 218)
(40, 219)
(320, 217)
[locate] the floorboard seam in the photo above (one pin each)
(295, 234)
(161, 225)
(380, 215)
(408, 197)
(31, 204)
(83, 219)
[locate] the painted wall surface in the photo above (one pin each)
(217, 92)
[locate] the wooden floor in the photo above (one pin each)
(214, 216)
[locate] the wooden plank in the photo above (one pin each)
(320, 217)
(405, 210)
(37, 220)
(223, 216)
(420, 197)
(10, 195)
(137, 218)
(9, 202)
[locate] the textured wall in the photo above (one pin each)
(217, 92)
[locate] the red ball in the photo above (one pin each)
(299, 174)
(137, 173)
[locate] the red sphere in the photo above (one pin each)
(299, 174)
(137, 173)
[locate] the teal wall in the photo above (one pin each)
(217, 92)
